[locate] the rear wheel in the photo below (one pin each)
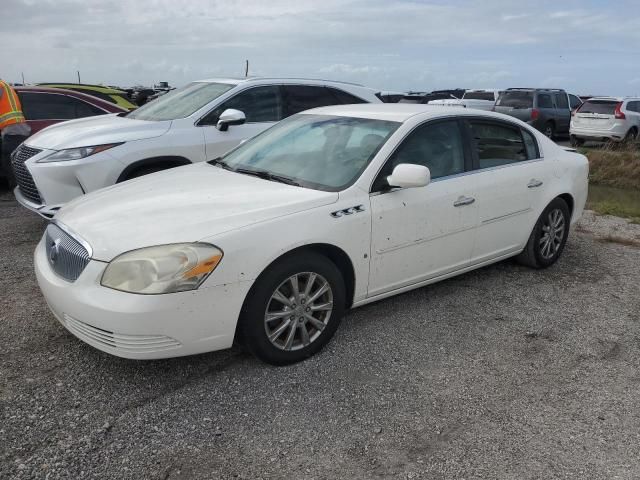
(293, 309)
(549, 236)
(576, 142)
(549, 130)
(631, 136)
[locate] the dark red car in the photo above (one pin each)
(44, 106)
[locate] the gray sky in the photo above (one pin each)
(585, 46)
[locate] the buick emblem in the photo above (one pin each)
(54, 251)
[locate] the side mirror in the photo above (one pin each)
(230, 117)
(408, 175)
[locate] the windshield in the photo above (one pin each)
(603, 107)
(180, 103)
(479, 96)
(315, 151)
(515, 99)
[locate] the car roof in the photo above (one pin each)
(398, 112)
(85, 86)
(613, 99)
(73, 93)
(238, 81)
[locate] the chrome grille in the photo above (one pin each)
(67, 257)
(23, 178)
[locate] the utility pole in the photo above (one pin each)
(78, 72)
(246, 68)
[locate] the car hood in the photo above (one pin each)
(185, 204)
(99, 130)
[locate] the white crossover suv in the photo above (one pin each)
(611, 119)
(329, 209)
(70, 159)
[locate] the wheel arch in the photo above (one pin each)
(168, 161)
(568, 198)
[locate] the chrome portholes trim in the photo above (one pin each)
(347, 211)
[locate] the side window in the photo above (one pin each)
(574, 102)
(497, 144)
(298, 98)
(51, 106)
(531, 145)
(437, 146)
(344, 97)
(259, 104)
(544, 101)
(561, 100)
(634, 106)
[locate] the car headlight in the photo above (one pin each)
(77, 153)
(163, 269)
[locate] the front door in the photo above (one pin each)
(425, 232)
(261, 107)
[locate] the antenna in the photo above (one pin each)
(246, 68)
(22, 73)
(78, 72)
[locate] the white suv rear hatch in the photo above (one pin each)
(596, 115)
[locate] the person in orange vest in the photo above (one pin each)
(13, 127)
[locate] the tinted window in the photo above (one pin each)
(50, 106)
(479, 96)
(437, 146)
(497, 144)
(544, 101)
(574, 102)
(561, 100)
(344, 97)
(259, 104)
(303, 97)
(515, 99)
(633, 106)
(603, 107)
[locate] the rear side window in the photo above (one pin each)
(633, 106)
(479, 96)
(259, 104)
(50, 106)
(531, 145)
(344, 97)
(544, 101)
(603, 107)
(298, 98)
(515, 99)
(561, 100)
(497, 144)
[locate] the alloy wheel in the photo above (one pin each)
(553, 229)
(298, 311)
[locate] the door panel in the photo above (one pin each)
(418, 233)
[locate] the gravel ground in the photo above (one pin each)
(502, 373)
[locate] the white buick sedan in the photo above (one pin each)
(328, 210)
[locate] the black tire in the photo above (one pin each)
(631, 136)
(549, 130)
(576, 142)
(534, 254)
(253, 325)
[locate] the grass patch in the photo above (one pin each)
(615, 167)
(617, 209)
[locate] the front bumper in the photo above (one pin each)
(141, 326)
(45, 211)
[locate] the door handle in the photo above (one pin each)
(462, 201)
(533, 183)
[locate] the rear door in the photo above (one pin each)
(563, 112)
(510, 179)
(262, 107)
(546, 111)
(297, 98)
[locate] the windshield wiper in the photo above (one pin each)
(222, 164)
(266, 175)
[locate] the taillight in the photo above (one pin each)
(618, 112)
(535, 113)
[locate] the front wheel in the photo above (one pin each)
(293, 309)
(549, 236)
